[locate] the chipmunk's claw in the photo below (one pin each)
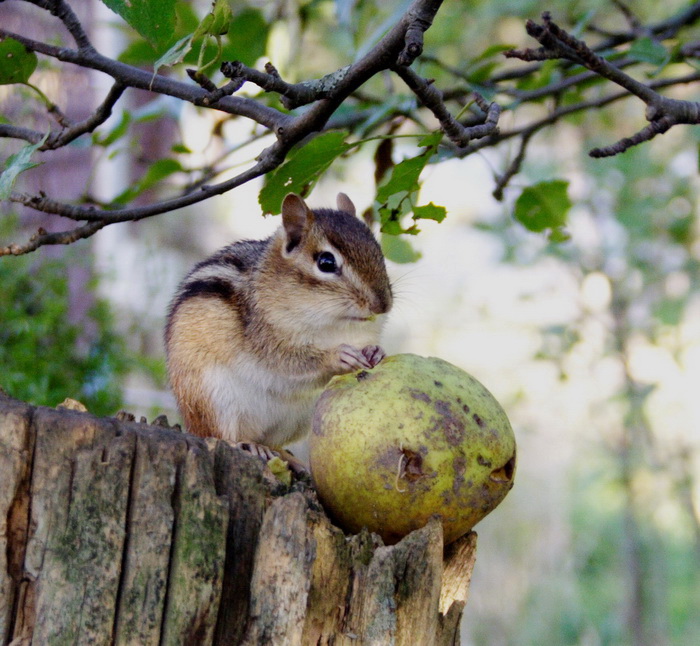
(266, 453)
(258, 450)
(374, 354)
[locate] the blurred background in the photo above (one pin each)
(591, 345)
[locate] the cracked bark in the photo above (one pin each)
(115, 532)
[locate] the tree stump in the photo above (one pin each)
(122, 533)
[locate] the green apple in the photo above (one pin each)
(412, 438)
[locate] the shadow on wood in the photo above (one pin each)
(122, 533)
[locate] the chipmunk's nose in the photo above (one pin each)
(382, 302)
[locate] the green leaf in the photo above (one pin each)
(16, 164)
(17, 63)
(398, 249)
(301, 170)
(670, 311)
(647, 50)
(390, 222)
(395, 197)
(153, 19)
(559, 235)
(156, 172)
(45, 356)
(175, 54)
(247, 37)
(221, 13)
(494, 50)
(539, 79)
(430, 212)
(404, 177)
(544, 206)
(681, 230)
(141, 52)
(482, 72)
(432, 140)
(481, 68)
(217, 22)
(115, 133)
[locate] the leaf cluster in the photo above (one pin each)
(46, 356)
(318, 121)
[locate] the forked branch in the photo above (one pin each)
(396, 50)
(662, 112)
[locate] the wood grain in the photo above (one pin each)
(122, 533)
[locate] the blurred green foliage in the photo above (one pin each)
(44, 356)
(631, 575)
(627, 578)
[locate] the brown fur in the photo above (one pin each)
(200, 328)
(251, 310)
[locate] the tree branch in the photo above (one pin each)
(662, 112)
(112, 216)
(137, 78)
(326, 95)
(657, 127)
(96, 219)
(97, 118)
(432, 99)
(418, 21)
(41, 238)
(394, 52)
(291, 95)
(564, 111)
(65, 14)
(17, 132)
(514, 167)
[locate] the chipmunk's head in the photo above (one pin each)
(333, 258)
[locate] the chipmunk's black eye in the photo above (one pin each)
(326, 262)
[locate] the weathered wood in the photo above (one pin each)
(456, 577)
(198, 553)
(121, 533)
(248, 490)
(149, 527)
(281, 574)
(15, 467)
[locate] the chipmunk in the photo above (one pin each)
(256, 330)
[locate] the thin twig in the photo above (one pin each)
(567, 110)
(514, 167)
(432, 99)
(111, 216)
(135, 77)
(395, 51)
(662, 30)
(657, 127)
(292, 95)
(662, 112)
(634, 22)
(17, 132)
(42, 238)
(97, 118)
(63, 11)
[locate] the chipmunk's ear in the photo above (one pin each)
(345, 204)
(297, 218)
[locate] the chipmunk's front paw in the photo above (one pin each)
(374, 354)
(351, 358)
(258, 450)
(296, 466)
